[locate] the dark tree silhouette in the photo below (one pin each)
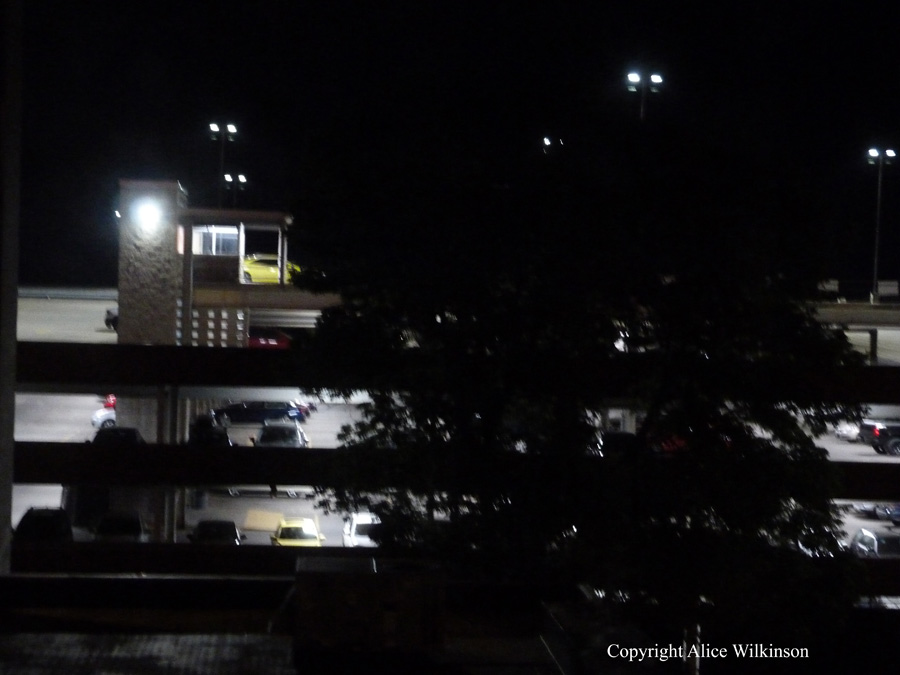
(506, 291)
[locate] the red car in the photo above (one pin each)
(268, 338)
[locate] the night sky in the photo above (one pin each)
(126, 90)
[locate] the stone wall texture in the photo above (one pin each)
(150, 267)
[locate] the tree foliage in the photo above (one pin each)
(514, 290)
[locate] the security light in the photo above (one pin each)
(147, 214)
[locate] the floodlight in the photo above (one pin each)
(147, 214)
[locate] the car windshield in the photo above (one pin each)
(364, 529)
(297, 532)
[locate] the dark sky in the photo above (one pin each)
(126, 90)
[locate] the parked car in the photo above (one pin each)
(894, 515)
(104, 418)
(118, 437)
(847, 431)
(262, 268)
(206, 433)
(43, 525)
(882, 435)
(258, 412)
(117, 526)
(871, 544)
(358, 528)
(877, 510)
(268, 338)
(298, 532)
(281, 435)
(217, 532)
(879, 433)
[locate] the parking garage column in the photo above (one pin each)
(11, 14)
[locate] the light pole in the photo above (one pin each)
(222, 135)
(235, 183)
(880, 158)
(637, 82)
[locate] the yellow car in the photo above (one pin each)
(262, 268)
(298, 532)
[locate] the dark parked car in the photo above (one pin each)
(217, 532)
(118, 437)
(894, 515)
(876, 510)
(872, 432)
(206, 433)
(257, 412)
(122, 527)
(43, 525)
(882, 435)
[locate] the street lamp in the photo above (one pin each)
(235, 183)
(549, 142)
(879, 158)
(222, 135)
(636, 82)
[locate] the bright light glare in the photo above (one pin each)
(873, 152)
(656, 79)
(242, 178)
(148, 214)
(890, 153)
(228, 178)
(213, 127)
(634, 77)
(546, 141)
(232, 129)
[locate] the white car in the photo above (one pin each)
(281, 435)
(104, 418)
(847, 431)
(357, 527)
